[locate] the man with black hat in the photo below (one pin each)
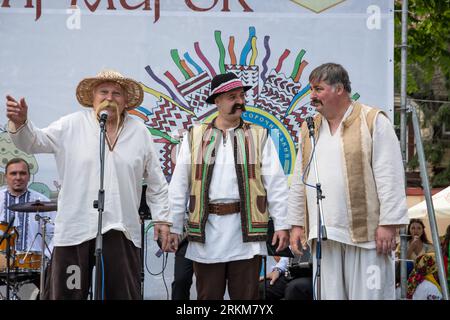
(130, 160)
(230, 172)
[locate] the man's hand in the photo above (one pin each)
(297, 234)
(283, 237)
(162, 231)
(174, 239)
(273, 276)
(385, 239)
(16, 111)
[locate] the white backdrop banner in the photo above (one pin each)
(174, 48)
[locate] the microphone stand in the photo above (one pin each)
(321, 229)
(6, 236)
(144, 214)
(100, 205)
(43, 265)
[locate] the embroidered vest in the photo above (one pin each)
(248, 142)
(361, 194)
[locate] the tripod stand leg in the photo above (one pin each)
(43, 260)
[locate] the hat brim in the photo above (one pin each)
(211, 98)
(134, 91)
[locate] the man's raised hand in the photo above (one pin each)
(16, 111)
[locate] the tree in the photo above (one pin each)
(428, 73)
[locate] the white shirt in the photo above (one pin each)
(426, 290)
(282, 264)
(74, 140)
(388, 173)
(28, 229)
(223, 234)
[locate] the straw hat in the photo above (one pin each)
(134, 91)
(223, 83)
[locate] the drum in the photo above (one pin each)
(12, 243)
(13, 235)
(30, 261)
(2, 261)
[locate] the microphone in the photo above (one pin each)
(144, 209)
(310, 123)
(103, 116)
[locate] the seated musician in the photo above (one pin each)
(290, 278)
(26, 242)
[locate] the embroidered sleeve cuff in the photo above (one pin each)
(282, 226)
(296, 222)
(162, 222)
(400, 222)
(12, 127)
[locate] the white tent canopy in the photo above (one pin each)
(441, 203)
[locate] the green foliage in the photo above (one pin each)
(442, 116)
(428, 44)
(434, 152)
(428, 74)
(413, 163)
(441, 179)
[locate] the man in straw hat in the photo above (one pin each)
(130, 159)
(230, 172)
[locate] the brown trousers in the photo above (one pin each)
(69, 275)
(242, 277)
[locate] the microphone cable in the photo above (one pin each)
(146, 253)
(307, 168)
(164, 261)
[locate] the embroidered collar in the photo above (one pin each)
(212, 124)
(18, 196)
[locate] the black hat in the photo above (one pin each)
(223, 83)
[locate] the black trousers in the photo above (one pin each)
(183, 272)
(285, 289)
(274, 291)
(70, 271)
(299, 289)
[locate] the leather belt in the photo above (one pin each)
(224, 208)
